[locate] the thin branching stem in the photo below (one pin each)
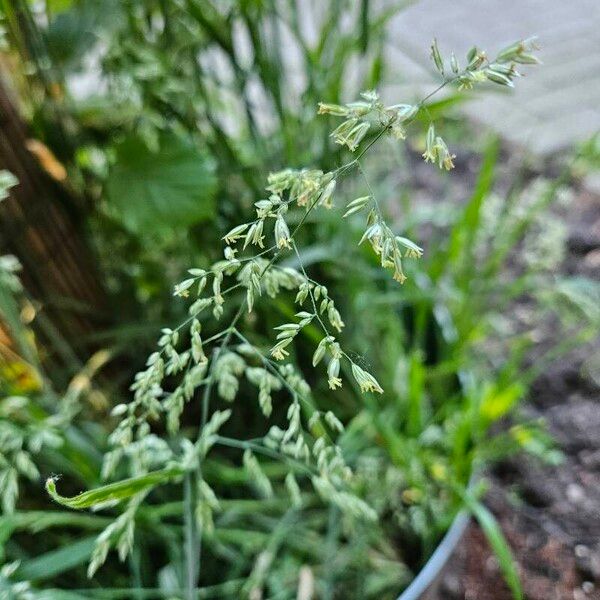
(255, 446)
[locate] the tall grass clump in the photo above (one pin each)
(323, 492)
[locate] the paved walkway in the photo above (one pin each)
(556, 105)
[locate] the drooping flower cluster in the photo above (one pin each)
(501, 70)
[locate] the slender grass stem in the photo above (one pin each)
(256, 447)
(192, 537)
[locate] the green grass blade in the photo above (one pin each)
(460, 248)
(113, 492)
(58, 561)
(498, 542)
(37, 520)
(229, 589)
(56, 594)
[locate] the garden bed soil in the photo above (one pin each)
(549, 514)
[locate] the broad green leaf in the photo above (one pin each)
(160, 191)
(113, 492)
(76, 27)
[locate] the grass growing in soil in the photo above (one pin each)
(309, 428)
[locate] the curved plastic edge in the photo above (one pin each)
(438, 559)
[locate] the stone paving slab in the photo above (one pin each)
(555, 106)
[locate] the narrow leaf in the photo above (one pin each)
(498, 542)
(113, 492)
(58, 561)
